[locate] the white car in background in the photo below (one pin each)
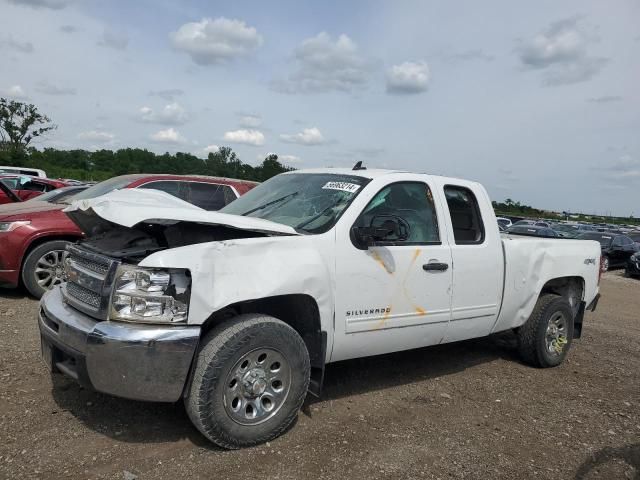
(504, 223)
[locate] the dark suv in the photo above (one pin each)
(616, 249)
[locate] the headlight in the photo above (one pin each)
(150, 295)
(11, 226)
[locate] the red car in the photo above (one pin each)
(34, 234)
(25, 187)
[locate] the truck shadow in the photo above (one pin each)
(594, 465)
(144, 422)
(363, 375)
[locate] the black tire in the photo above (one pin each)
(221, 350)
(533, 341)
(28, 274)
(606, 263)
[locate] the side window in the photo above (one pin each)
(627, 241)
(32, 186)
(413, 203)
(208, 196)
(468, 228)
(12, 183)
(168, 186)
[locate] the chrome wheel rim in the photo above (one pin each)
(556, 335)
(49, 270)
(257, 386)
(605, 264)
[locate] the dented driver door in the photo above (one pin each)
(395, 295)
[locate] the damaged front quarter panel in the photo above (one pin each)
(238, 270)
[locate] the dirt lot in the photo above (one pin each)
(468, 410)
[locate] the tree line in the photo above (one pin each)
(104, 164)
(20, 123)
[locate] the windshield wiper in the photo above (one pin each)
(315, 217)
(272, 202)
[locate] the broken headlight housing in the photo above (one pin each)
(151, 295)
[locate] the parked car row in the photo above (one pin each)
(15, 188)
(35, 233)
(618, 243)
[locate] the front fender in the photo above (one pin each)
(232, 271)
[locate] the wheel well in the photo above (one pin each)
(300, 312)
(572, 288)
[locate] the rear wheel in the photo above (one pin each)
(250, 379)
(545, 338)
(605, 263)
(43, 268)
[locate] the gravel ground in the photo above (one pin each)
(466, 410)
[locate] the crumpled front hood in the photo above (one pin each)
(130, 207)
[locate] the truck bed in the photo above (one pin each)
(530, 262)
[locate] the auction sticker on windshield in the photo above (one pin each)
(343, 186)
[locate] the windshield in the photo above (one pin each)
(308, 202)
(107, 186)
(12, 183)
(60, 195)
(605, 240)
(634, 236)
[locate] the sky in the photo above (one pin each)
(539, 101)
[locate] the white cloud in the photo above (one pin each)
(214, 41)
(171, 114)
(17, 46)
(281, 158)
(49, 89)
(308, 136)
(250, 121)
(52, 4)
(169, 135)
(97, 136)
(248, 137)
(210, 149)
(113, 39)
(574, 72)
(560, 51)
(289, 159)
(408, 77)
(324, 65)
(15, 92)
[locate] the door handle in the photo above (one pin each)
(435, 267)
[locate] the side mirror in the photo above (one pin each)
(383, 229)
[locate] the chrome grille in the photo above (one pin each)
(94, 266)
(83, 294)
(89, 281)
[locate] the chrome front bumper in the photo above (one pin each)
(140, 362)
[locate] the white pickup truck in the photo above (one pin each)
(237, 312)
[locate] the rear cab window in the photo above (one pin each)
(468, 228)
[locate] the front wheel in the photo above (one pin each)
(605, 263)
(250, 379)
(545, 338)
(43, 268)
